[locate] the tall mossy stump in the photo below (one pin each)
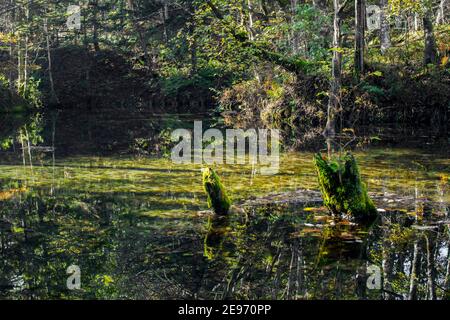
(218, 199)
(342, 190)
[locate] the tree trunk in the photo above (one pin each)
(94, 6)
(416, 22)
(53, 96)
(335, 88)
(164, 16)
(430, 54)
(385, 38)
(27, 136)
(11, 47)
(250, 20)
(19, 63)
(137, 28)
(25, 58)
(360, 12)
(294, 4)
(193, 48)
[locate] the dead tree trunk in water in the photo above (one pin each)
(360, 12)
(385, 38)
(335, 87)
(343, 191)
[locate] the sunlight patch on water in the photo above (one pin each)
(171, 187)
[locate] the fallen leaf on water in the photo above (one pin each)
(6, 195)
(346, 223)
(322, 218)
(311, 230)
(346, 235)
(307, 231)
(315, 209)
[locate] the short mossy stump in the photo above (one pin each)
(342, 190)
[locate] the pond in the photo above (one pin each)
(138, 228)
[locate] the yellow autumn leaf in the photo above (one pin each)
(8, 194)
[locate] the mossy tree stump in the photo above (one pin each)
(342, 190)
(218, 199)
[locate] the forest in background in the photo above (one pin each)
(293, 65)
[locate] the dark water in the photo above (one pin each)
(137, 228)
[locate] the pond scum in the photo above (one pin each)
(138, 231)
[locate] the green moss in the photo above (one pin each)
(218, 199)
(342, 189)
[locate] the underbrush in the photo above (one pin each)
(396, 90)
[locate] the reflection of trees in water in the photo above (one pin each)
(270, 262)
(334, 265)
(41, 237)
(414, 258)
(276, 255)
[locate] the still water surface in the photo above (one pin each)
(138, 228)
